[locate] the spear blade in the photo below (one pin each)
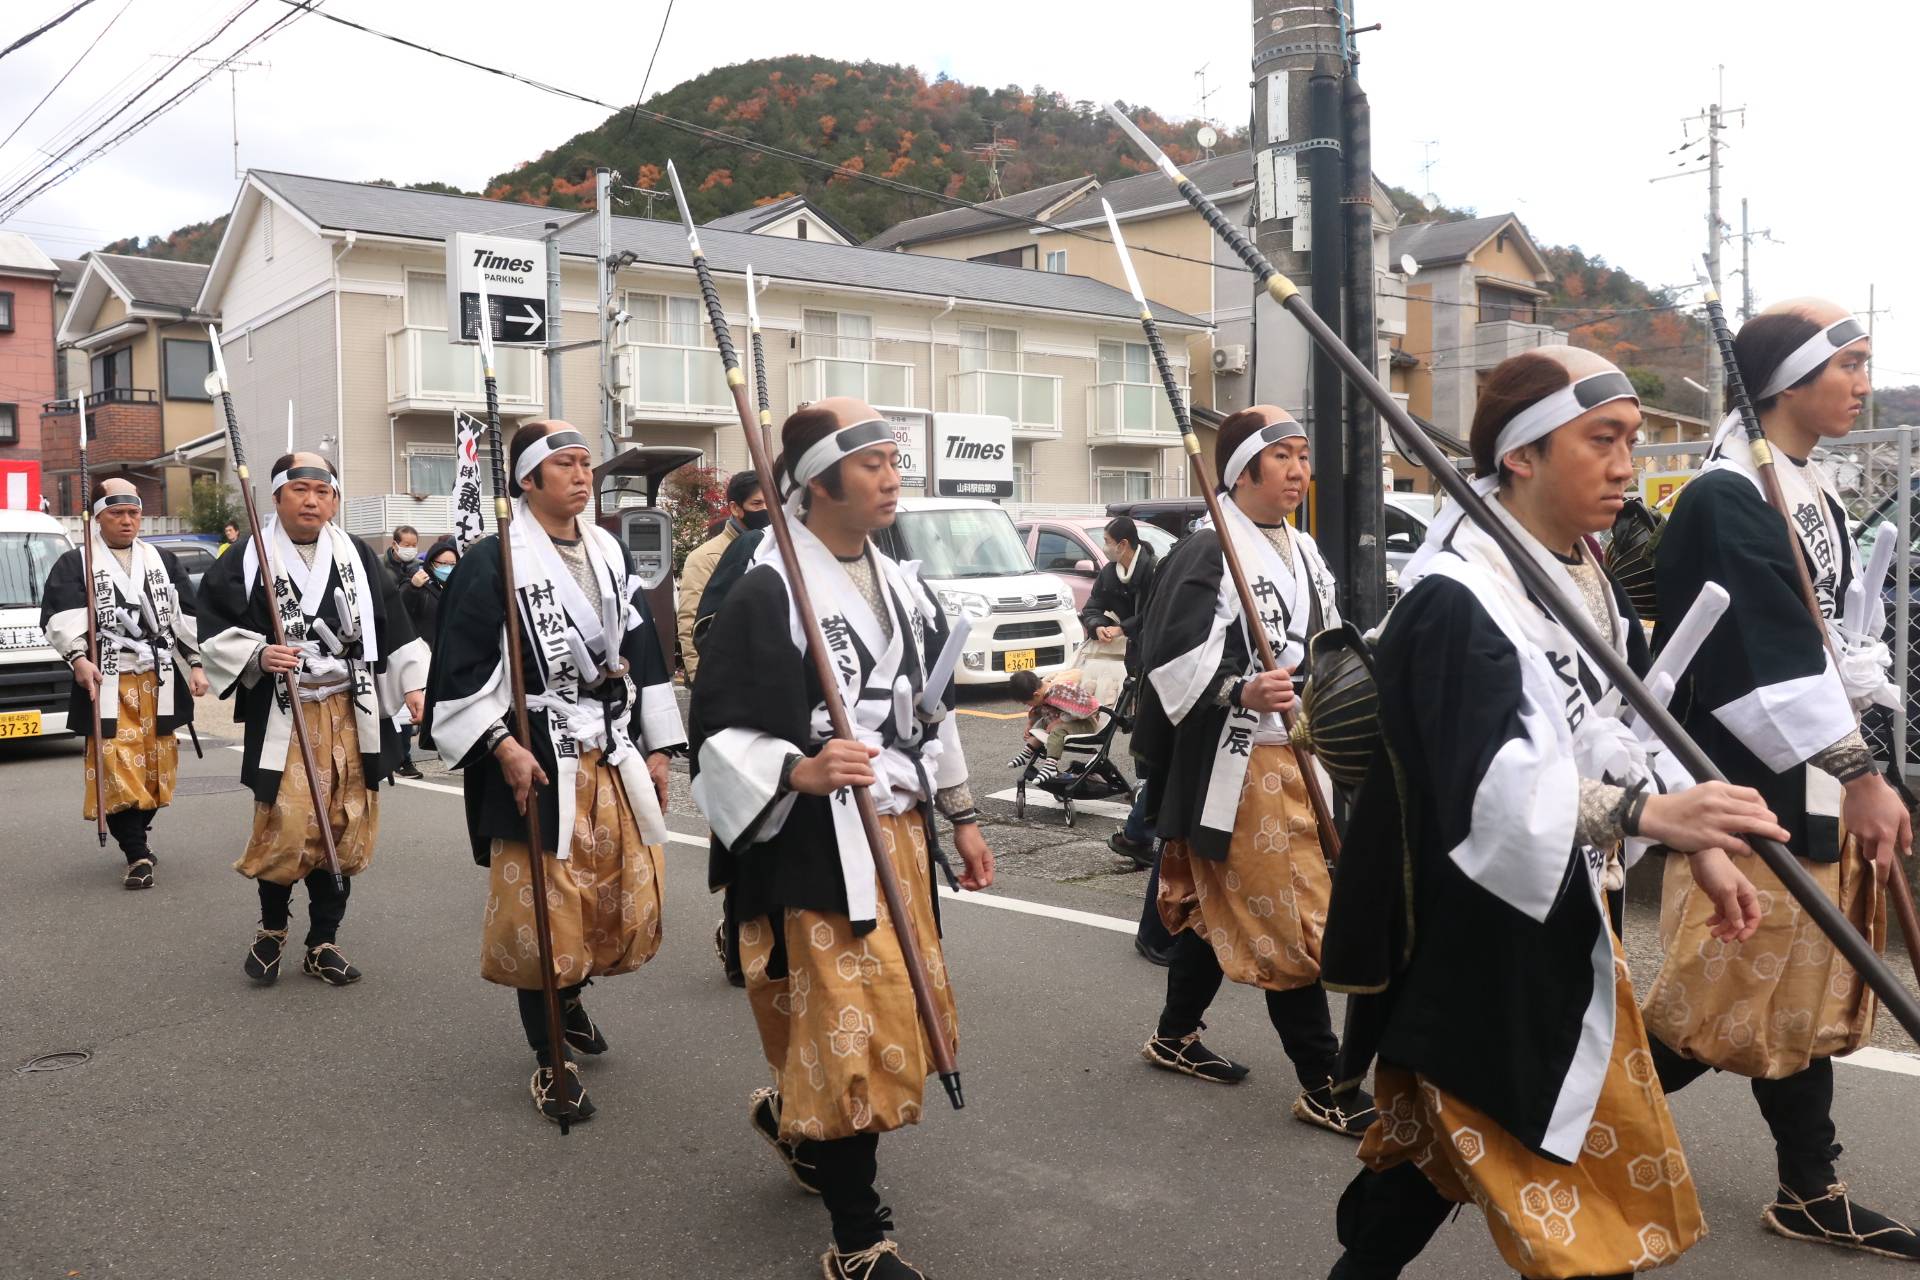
(753, 305)
(1126, 259)
(1142, 141)
(686, 215)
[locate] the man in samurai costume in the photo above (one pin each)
(149, 671)
(1470, 916)
(823, 962)
(1774, 700)
(1243, 878)
(356, 661)
(603, 718)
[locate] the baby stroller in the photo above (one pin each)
(1087, 770)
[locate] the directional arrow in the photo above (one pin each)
(531, 322)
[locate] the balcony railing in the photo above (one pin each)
(112, 395)
(877, 383)
(1132, 413)
(662, 380)
(423, 365)
(1031, 400)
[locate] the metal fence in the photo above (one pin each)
(1874, 473)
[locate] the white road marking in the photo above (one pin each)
(1038, 799)
(1872, 1059)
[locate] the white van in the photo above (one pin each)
(34, 682)
(977, 565)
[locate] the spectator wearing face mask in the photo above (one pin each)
(420, 592)
(746, 509)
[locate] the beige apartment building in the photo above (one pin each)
(333, 299)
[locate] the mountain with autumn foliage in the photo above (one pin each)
(823, 120)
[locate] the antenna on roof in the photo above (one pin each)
(991, 153)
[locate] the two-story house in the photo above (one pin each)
(148, 355)
(333, 298)
(27, 366)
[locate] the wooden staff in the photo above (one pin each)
(567, 1113)
(1900, 1002)
(1897, 887)
(217, 388)
(888, 880)
(98, 748)
(1203, 480)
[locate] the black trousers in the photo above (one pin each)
(1798, 1111)
(533, 1014)
(326, 906)
(1386, 1219)
(1299, 1015)
(845, 1170)
(129, 828)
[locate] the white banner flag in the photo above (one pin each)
(466, 478)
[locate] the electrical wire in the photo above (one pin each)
(39, 31)
(91, 46)
(647, 79)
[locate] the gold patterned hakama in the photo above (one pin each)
(285, 844)
(603, 901)
(1262, 909)
(1627, 1204)
(840, 1028)
(1769, 1006)
(141, 762)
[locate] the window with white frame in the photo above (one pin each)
(1125, 361)
(430, 468)
(665, 319)
(1057, 261)
(427, 299)
(1123, 484)
(9, 424)
(841, 335)
(982, 347)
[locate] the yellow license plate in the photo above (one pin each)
(1020, 659)
(26, 724)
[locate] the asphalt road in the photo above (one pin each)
(384, 1130)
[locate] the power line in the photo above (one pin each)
(37, 32)
(63, 77)
(647, 79)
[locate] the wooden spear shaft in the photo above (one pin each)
(98, 747)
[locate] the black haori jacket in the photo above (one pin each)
(63, 616)
(757, 700)
(1762, 696)
(468, 671)
(1467, 921)
(235, 623)
(1183, 627)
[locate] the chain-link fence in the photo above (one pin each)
(1874, 473)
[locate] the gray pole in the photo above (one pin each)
(1715, 386)
(555, 401)
(1367, 576)
(1746, 270)
(1331, 461)
(1873, 395)
(603, 297)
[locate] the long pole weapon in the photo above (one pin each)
(217, 388)
(1203, 481)
(759, 371)
(1900, 1002)
(517, 685)
(1897, 887)
(99, 747)
(884, 873)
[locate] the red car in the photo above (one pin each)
(1069, 547)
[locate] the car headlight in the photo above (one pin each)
(971, 603)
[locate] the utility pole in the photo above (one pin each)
(556, 407)
(1715, 118)
(1299, 55)
(603, 302)
(1747, 237)
(1365, 499)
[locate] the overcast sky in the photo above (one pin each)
(1549, 110)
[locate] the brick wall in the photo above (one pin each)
(27, 360)
(121, 434)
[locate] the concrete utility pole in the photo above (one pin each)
(1299, 54)
(556, 407)
(1715, 117)
(1365, 496)
(603, 296)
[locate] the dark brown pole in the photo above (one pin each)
(884, 873)
(1900, 1002)
(517, 686)
(1897, 887)
(98, 747)
(217, 387)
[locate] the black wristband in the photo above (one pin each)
(966, 816)
(1233, 697)
(1855, 774)
(1632, 808)
(786, 772)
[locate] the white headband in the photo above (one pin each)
(543, 448)
(1545, 416)
(825, 452)
(1272, 433)
(1813, 353)
(116, 500)
(281, 479)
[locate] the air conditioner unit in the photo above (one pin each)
(1230, 359)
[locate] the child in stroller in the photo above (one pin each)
(1075, 724)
